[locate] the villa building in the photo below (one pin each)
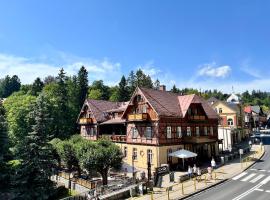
(152, 125)
(231, 120)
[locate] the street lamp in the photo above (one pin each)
(133, 170)
(149, 170)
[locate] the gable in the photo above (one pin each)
(224, 106)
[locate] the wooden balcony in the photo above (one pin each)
(138, 117)
(196, 117)
(115, 138)
(86, 121)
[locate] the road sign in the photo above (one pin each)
(241, 151)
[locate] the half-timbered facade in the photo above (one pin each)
(160, 122)
(100, 118)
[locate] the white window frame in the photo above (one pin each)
(135, 133)
(169, 132)
(220, 110)
(230, 122)
(179, 131)
(197, 131)
(135, 153)
(188, 131)
(148, 134)
(205, 130)
(211, 130)
(125, 152)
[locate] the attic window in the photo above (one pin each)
(139, 98)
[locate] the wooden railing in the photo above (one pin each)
(115, 138)
(138, 117)
(196, 117)
(86, 121)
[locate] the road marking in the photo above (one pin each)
(265, 180)
(239, 176)
(248, 177)
(262, 170)
(247, 192)
(268, 191)
(269, 171)
(253, 169)
(256, 179)
(258, 189)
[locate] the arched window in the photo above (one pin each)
(230, 122)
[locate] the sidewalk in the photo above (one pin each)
(180, 190)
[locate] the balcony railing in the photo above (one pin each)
(196, 117)
(138, 117)
(86, 121)
(115, 138)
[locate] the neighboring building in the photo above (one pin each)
(231, 129)
(102, 118)
(153, 124)
(255, 117)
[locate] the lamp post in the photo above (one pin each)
(149, 170)
(133, 170)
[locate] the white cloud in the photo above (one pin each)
(29, 68)
(212, 71)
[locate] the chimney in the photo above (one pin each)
(162, 87)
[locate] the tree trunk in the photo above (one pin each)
(104, 175)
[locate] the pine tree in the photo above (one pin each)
(32, 180)
(37, 86)
(175, 89)
(156, 84)
(123, 90)
(131, 82)
(83, 85)
(63, 127)
(3, 133)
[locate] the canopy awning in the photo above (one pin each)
(183, 154)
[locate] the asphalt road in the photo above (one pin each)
(253, 184)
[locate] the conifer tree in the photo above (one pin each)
(123, 93)
(83, 84)
(32, 180)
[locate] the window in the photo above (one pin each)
(169, 158)
(216, 110)
(195, 111)
(169, 132)
(148, 132)
(92, 131)
(134, 132)
(230, 122)
(125, 152)
(189, 111)
(220, 110)
(179, 132)
(144, 109)
(135, 154)
(205, 130)
(211, 130)
(197, 131)
(188, 131)
(149, 156)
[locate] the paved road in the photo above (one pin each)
(253, 184)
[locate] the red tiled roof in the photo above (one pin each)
(247, 109)
(171, 105)
(164, 103)
(99, 108)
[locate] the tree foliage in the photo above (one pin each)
(9, 85)
(32, 179)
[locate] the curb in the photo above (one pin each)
(216, 184)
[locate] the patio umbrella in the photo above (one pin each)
(183, 154)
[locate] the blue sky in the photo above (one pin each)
(201, 44)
